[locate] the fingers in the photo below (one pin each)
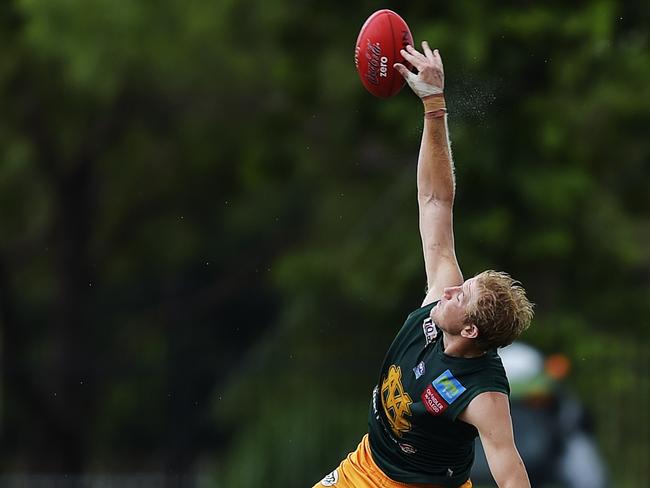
(427, 51)
(436, 57)
(431, 55)
(414, 57)
(402, 70)
(420, 60)
(415, 52)
(411, 59)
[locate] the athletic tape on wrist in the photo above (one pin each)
(434, 106)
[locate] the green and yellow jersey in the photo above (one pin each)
(415, 436)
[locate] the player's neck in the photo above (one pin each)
(460, 347)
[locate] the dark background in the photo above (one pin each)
(208, 229)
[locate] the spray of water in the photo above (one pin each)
(473, 98)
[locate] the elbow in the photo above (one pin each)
(437, 199)
(516, 484)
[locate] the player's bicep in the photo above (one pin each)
(436, 230)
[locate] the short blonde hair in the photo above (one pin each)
(502, 311)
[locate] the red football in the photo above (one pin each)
(378, 45)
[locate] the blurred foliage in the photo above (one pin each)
(209, 231)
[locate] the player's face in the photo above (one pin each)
(450, 312)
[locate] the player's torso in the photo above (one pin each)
(420, 392)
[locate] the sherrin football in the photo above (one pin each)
(378, 45)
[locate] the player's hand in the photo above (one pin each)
(430, 79)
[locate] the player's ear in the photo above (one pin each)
(470, 331)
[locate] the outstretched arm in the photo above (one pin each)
(490, 413)
(435, 175)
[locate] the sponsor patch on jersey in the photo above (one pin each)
(429, 329)
(419, 370)
(448, 386)
(407, 448)
(331, 479)
(433, 402)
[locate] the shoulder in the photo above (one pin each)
(489, 400)
(486, 410)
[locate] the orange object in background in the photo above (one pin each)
(557, 366)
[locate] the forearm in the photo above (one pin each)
(508, 469)
(435, 169)
(516, 480)
(435, 176)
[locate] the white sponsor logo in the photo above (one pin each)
(331, 479)
(375, 392)
(407, 448)
(419, 370)
(429, 329)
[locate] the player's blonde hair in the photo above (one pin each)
(502, 311)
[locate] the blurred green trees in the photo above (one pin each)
(209, 236)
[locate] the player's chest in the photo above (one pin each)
(417, 384)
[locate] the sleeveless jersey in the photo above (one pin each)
(414, 434)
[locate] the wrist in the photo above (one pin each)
(434, 106)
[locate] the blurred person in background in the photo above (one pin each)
(442, 383)
(553, 431)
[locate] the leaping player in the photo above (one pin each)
(442, 383)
